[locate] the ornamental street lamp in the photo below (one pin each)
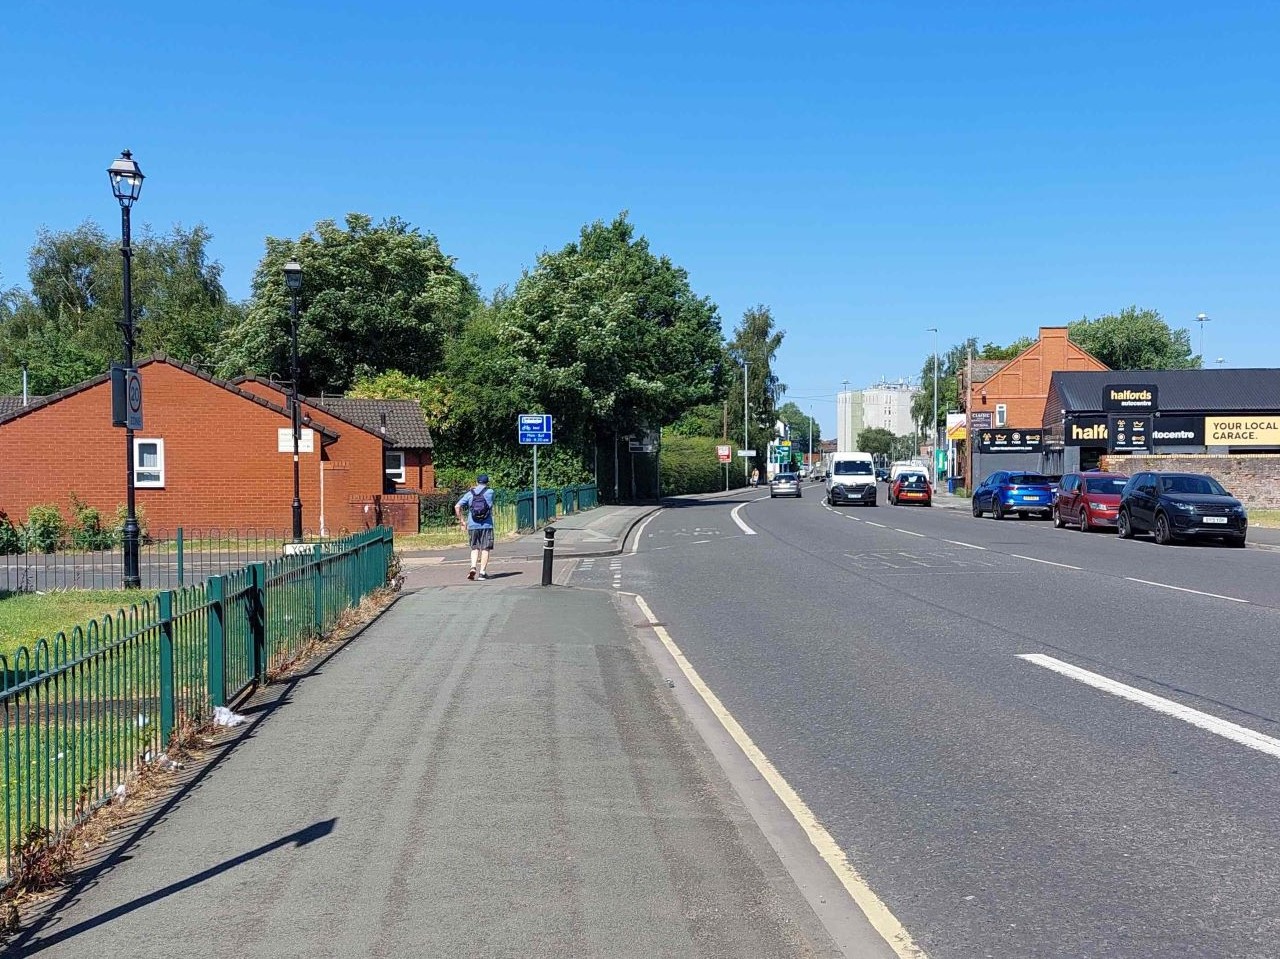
(293, 280)
(126, 183)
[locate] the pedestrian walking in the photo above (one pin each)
(755, 477)
(478, 502)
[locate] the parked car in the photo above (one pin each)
(1014, 491)
(784, 484)
(1089, 500)
(1181, 506)
(911, 488)
(852, 479)
(882, 474)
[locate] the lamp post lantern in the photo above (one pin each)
(293, 280)
(1202, 320)
(126, 184)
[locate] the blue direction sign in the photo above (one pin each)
(534, 428)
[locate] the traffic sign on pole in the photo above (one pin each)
(534, 428)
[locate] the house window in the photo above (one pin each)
(1001, 414)
(148, 464)
(393, 465)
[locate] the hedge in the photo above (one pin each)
(689, 465)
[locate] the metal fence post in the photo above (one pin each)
(317, 591)
(168, 705)
(258, 620)
(181, 578)
(215, 594)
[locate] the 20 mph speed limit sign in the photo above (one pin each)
(133, 400)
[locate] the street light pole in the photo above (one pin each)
(746, 437)
(126, 184)
(293, 280)
(1202, 320)
(934, 429)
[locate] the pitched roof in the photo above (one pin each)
(983, 370)
(400, 421)
(1180, 391)
(38, 403)
(10, 403)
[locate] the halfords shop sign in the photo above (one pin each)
(1242, 430)
(1129, 399)
(1165, 431)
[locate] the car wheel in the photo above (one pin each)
(1124, 529)
(1085, 525)
(1238, 542)
(976, 510)
(997, 509)
(1057, 518)
(1162, 534)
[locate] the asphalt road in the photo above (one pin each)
(1000, 806)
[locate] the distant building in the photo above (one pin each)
(848, 419)
(888, 406)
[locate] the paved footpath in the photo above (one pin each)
(491, 769)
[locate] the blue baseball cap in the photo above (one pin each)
(482, 479)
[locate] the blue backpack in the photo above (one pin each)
(480, 508)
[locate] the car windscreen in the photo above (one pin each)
(1028, 479)
(785, 478)
(852, 468)
(1104, 486)
(912, 479)
(1191, 484)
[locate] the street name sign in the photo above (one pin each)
(534, 428)
(746, 452)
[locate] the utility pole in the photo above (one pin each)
(746, 436)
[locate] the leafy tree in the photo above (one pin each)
(64, 329)
(432, 394)
(603, 334)
(378, 296)
(708, 419)
(876, 440)
(1135, 339)
(994, 351)
(757, 342)
(798, 428)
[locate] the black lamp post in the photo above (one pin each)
(126, 183)
(293, 280)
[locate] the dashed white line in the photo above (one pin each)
(956, 542)
(909, 532)
(1183, 589)
(1032, 559)
(881, 525)
(1219, 727)
(733, 514)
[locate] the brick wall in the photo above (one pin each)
(222, 468)
(1253, 479)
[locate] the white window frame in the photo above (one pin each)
(396, 476)
(1002, 415)
(137, 468)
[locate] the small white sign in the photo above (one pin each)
(306, 440)
(746, 452)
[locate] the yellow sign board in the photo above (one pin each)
(1242, 430)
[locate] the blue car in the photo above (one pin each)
(1012, 491)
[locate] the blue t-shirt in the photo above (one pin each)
(465, 503)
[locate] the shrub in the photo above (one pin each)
(86, 527)
(689, 465)
(10, 535)
(117, 529)
(435, 510)
(46, 529)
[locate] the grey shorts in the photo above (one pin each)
(481, 538)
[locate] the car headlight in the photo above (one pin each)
(1100, 506)
(1185, 507)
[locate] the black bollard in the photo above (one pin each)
(548, 553)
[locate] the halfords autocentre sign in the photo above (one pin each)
(1239, 430)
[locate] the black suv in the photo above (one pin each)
(1180, 505)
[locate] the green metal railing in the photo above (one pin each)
(513, 511)
(81, 713)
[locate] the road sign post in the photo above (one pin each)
(534, 429)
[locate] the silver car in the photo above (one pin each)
(784, 484)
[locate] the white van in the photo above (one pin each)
(851, 479)
(907, 466)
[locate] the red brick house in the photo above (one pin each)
(212, 454)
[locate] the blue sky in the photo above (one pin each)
(867, 169)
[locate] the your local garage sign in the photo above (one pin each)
(1242, 430)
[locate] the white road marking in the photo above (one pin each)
(1219, 727)
(699, 542)
(956, 542)
(733, 514)
(636, 543)
(1032, 559)
(1183, 589)
(909, 533)
(877, 913)
(881, 525)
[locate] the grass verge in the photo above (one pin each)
(1265, 518)
(26, 617)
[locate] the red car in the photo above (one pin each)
(1089, 500)
(911, 488)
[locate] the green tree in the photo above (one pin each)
(994, 351)
(756, 341)
(1135, 339)
(64, 329)
(798, 428)
(876, 440)
(374, 297)
(708, 419)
